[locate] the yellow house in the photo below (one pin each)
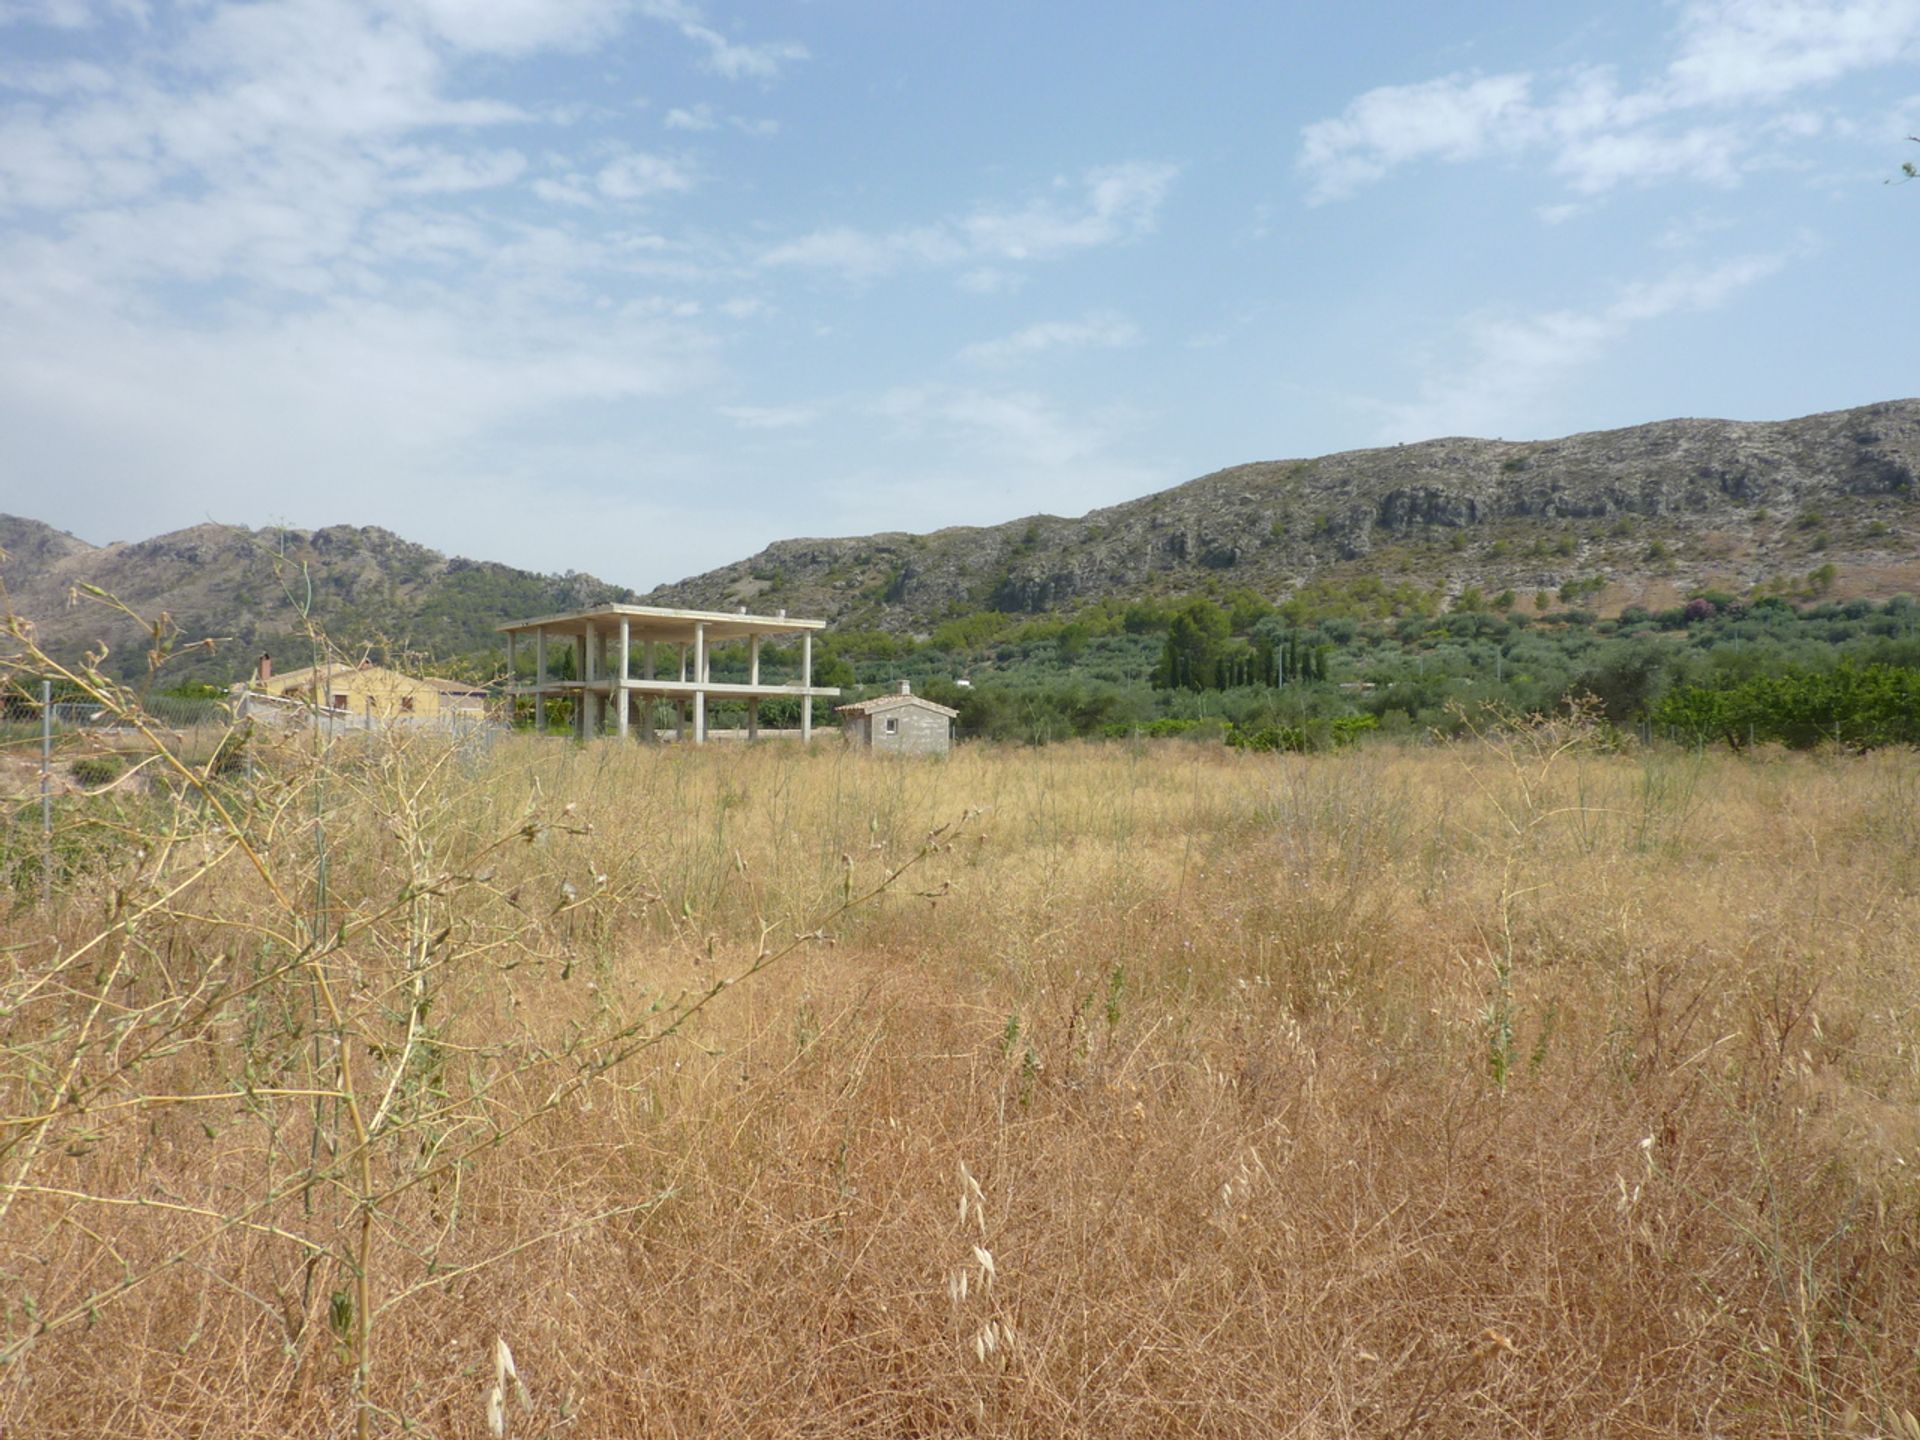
(368, 692)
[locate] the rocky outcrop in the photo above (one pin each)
(1660, 507)
(1706, 497)
(253, 590)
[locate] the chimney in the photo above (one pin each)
(906, 687)
(265, 668)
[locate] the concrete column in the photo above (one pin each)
(753, 719)
(806, 684)
(700, 680)
(753, 660)
(587, 671)
(646, 660)
(513, 681)
(683, 664)
(626, 654)
(540, 681)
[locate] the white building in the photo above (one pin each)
(628, 653)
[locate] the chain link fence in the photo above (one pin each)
(62, 759)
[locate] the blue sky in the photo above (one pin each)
(637, 286)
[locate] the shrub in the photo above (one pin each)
(1856, 706)
(1313, 735)
(97, 770)
(231, 756)
(1166, 728)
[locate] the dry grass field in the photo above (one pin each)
(1513, 1087)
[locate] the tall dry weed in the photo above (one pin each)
(1500, 1088)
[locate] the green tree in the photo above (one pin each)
(1196, 637)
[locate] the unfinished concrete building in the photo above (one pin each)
(623, 659)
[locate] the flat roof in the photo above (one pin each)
(659, 622)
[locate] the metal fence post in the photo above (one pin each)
(46, 791)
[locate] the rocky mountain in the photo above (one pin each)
(253, 590)
(1633, 516)
(1827, 505)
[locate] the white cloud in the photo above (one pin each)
(703, 117)
(698, 117)
(1732, 51)
(571, 191)
(990, 280)
(516, 27)
(67, 77)
(1116, 202)
(70, 14)
(731, 59)
(771, 417)
(736, 61)
(1560, 214)
(1512, 367)
(279, 244)
(345, 409)
(945, 451)
(636, 175)
(1003, 424)
(1726, 54)
(861, 254)
(1596, 163)
(1453, 118)
(1105, 206)
(1099, 330)
(419, 171)
(1687, 232)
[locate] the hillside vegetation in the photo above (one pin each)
(1242, 665)
(1518, 1085)
(365, 588)
(1645, 515)
(1821, 509)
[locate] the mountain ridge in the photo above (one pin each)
(1722, 498)
(366, 588)
(1642, 515)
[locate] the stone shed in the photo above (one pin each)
(905, 724)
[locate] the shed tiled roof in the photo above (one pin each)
(889, 702)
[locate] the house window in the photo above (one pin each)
(893, 726)
(406, 704)
(340, 701)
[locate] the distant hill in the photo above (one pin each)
(362, 587)
(1634, 516)
(1827, 505)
